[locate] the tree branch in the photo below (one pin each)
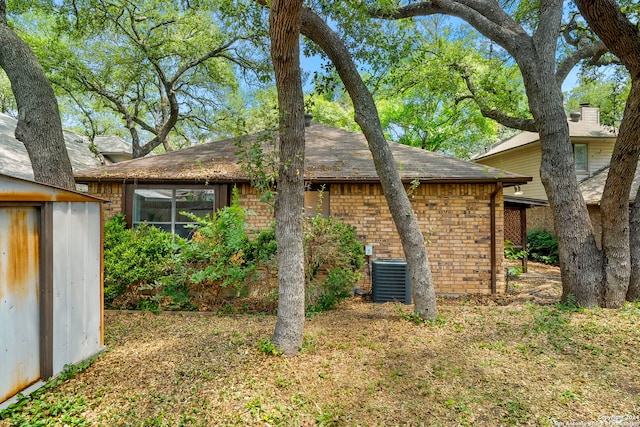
(484, 15)
(615, 30)
(593, 50)
(492, 113)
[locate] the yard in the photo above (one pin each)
(517, 359)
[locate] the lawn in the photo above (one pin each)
(485, 362)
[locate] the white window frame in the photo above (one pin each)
(585, 160)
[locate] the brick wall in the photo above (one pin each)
(455, 220)
(540, 218)
(111, 191)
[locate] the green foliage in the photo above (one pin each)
(267, 346)
(135, 257)
(263, 247)
(111, 59)
(570, 304)
(603, 89)
(511, 252)
(416, 318)
(221, 260)
(542, 247)
(333, 258)
(513, 272)
(36, 410)
(216, 253)
(259, 160)
(337, 286)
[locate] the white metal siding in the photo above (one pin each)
(76, 282)
(19, 307)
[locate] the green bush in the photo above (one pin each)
(137, 257)
(333, 258)
(152, 271)
(542, 247)
(263, 247)
(216, 254)
(511, 252)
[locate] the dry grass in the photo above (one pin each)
(485, 362)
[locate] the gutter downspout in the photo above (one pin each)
(494, 273)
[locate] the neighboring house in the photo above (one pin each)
(458, 203)
(592, 146)
(14, 160)
(592, 189)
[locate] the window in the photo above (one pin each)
(316, 201)
(580, 154)
(161, 207)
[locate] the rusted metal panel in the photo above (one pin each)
(76, 282)
(20, 190)
(19, 304)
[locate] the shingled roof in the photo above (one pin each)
(332, 155)
(14, 160)
(593, 186)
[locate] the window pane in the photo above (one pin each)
(152, 206)
(197, 202)
(313, 205)
(581, 157)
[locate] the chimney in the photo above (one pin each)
(307, 119)
(590, 114)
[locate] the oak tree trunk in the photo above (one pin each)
(366, 115)
(39, 127)
(621, 233)
(581, 262)
(633, 293)
(284, 30)
(614, 205)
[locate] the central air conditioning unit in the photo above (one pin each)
(390, 281)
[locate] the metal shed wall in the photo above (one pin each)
(19, 302)
(77, 296)
(50, 282)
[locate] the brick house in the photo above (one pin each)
(592, 146)
(459, 204)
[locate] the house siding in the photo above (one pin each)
(455, 219)
(526, 161)
(599, 152)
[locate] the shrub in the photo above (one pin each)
(511, 252)
(137, 257)
(542, 247)
(333, 257)
(216, 252)
(220, 261)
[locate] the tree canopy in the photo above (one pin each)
(167, 72)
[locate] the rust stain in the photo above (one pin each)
(20, 383)
(26, 196)
(22, 254)
(36, 196)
